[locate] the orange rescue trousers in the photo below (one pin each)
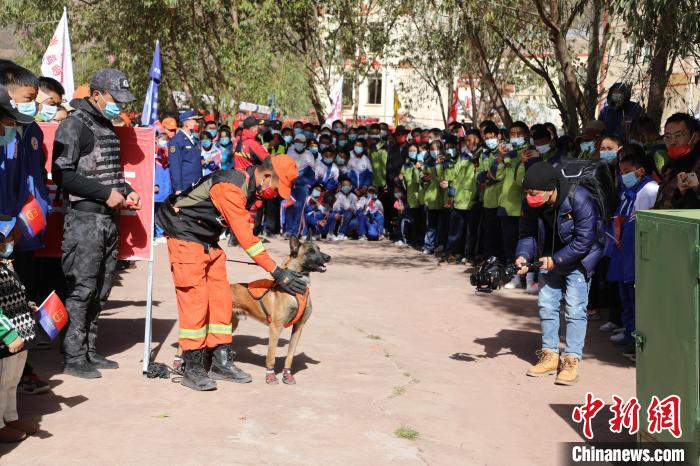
(204, 301)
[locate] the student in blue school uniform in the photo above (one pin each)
(344, 211)
(370, 216)
(326, 171)
(316, 214)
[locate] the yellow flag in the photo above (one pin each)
(397, 106)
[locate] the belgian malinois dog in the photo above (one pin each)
(268, 304)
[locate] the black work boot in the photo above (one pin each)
(195, 376)
(100, 362)
(223, 368)
(81, 368)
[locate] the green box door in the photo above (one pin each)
(666, 293)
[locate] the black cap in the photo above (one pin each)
(276, 125)
(250, 121)
(114, 82)
(9, 107)
(541, 176)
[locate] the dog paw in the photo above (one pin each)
(287, 377)
(271, 379)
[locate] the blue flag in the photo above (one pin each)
(150, 105)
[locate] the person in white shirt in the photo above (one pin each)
(326, 171)
(344, 210)
(370, 215)
(359, 166)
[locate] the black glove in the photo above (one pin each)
(291, 282)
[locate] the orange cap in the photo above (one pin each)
(82, 92)
(286, 170)
(169, 123)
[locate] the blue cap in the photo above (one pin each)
(189, 114)
(7, 223)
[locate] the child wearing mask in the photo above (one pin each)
(639, 192)
(341, 161)
(344, 211)
(211, 155)
(326, 171)
(295, 204)
(403, 221)
(17, 329)
(225, 146)
(162, 186)
(491, 227)
(359, 166)
(315, 214)
(370, 216)
(409, 183)
(434, 195)
(511, 172)
(466, 193)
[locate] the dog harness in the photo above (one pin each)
(259, 288)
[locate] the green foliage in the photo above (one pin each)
(407, 432)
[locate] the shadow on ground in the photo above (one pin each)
(600, 424)
(243, 344)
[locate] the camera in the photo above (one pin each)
(492, 274)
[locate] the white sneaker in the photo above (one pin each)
(330, 237)
(619, 330)
(339, 238)
(399, 243)
(222, 236)
(608, 327)
(426, 252)
(362, 238)
(513, 284)
(617, 337)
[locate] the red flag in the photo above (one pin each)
(53, 315)
(31, 218)
(453, 108)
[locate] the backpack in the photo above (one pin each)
(595, 176)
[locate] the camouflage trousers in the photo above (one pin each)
(90, 246)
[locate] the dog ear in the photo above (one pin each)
(294, 245)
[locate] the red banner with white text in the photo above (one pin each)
(135, 227)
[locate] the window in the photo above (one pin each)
(374, 90)
(347, 90)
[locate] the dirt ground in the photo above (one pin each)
(394, 340)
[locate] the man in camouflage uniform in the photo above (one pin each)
(87, 167)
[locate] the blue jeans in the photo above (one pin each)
(574, 287)
(364, 218)
(431, 229)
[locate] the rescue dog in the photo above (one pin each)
(265, 302)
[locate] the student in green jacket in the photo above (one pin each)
(464, 193)
(378, 156)
(510, 171)
(434, 194)
(409, 180)
(491, 228)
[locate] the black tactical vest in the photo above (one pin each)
(103, 164)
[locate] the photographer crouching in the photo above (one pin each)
(571, 246)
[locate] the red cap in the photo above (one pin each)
(286, 170)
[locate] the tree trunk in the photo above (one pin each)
(660, 68)
(488, 78)
(472, 92)
(355, 95)
(316, 101)
(590, 89)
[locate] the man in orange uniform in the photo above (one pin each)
(193, 221)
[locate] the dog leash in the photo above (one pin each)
(241, 262)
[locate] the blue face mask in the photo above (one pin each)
(309, 135)
(111, 110)
(517, 142)
(492, 143)
(452, 151)
(212, 132)
(10, 134)
(587, 146)
(339, 160)
(346, 189)
(372, 196)
(363, 137)
(434, 153)
(47, 112)
(352, 137)
(313, 150)
(206, 144)
(322, 147)
(342, 142)
(299, 146)
(315, 193)
(543, 149)
(338, 130)
(162, 143)
(298, 131)
(630, 179)
(328, 162)
(27, 108)
(358, 150)
(608, 155)
(412, 155)
(225, 141)
(195, 136)
(287, 139)
(421, 156)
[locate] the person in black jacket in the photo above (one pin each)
(676, 190)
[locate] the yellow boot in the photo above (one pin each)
(547, 365)
(568, 375)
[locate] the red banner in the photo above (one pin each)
(135, 227)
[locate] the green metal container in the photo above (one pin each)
(667, 256)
